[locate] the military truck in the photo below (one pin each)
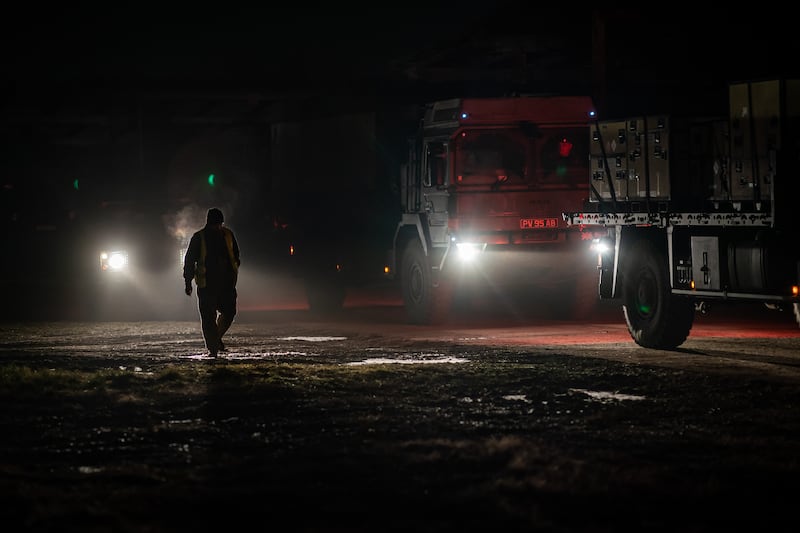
(697, 210)
(440, 198)
(482, 192)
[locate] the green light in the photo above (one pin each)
(211, 179)
(75, 184)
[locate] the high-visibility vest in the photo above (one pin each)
(200, 271)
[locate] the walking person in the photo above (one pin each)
(212, 260)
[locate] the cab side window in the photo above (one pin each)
(436, 164)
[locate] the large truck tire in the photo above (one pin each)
(656, 318)
(426, 302)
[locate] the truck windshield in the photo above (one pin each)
(502, 158)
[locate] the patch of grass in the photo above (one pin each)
(22, 381)
(19, 380)
(170, 374)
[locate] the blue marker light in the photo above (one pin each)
(464, 115)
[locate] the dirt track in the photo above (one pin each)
(362, 424)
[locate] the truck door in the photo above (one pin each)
(435, 187)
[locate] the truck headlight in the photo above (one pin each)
(467, 251)
(602, 245)
(115, 261)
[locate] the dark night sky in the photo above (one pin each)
(65, 52)
(65, 66)
(230, 45)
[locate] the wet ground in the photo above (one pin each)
(362, 423)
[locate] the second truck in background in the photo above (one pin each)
(456, 196)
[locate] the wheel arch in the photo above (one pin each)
(411, 228)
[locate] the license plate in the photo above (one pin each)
(538, 223)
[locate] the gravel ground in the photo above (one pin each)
(363, 424)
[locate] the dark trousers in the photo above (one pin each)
(217, 309)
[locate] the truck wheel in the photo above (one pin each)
(325, 296)
(655, 317)
(425, 302)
